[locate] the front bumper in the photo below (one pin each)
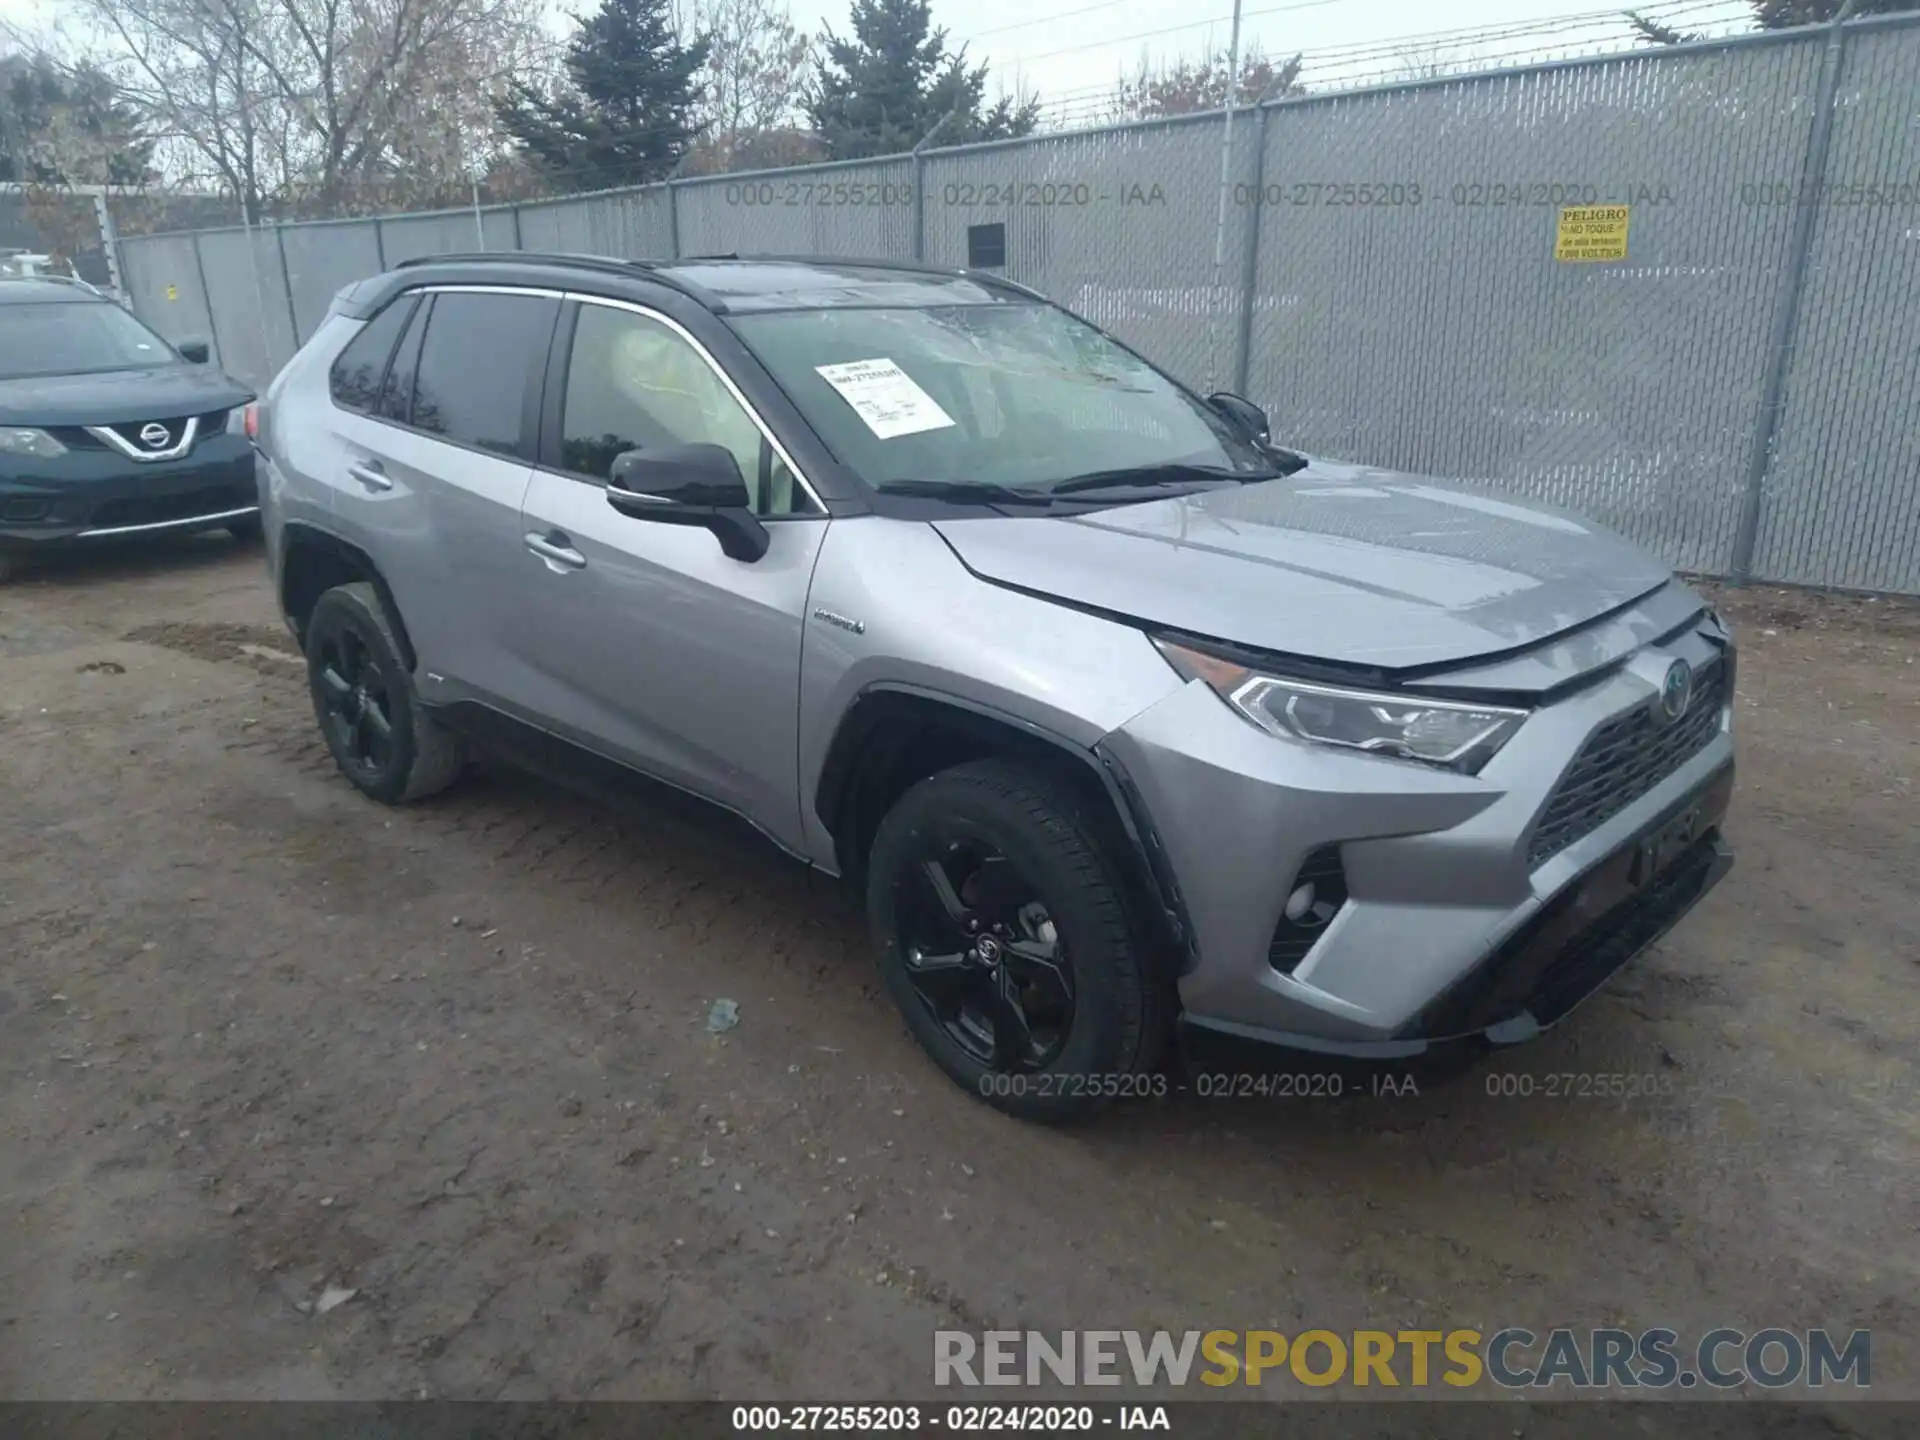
(90, 496)
(1534, 980)
(1456, 927)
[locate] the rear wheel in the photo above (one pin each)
(1007, 944)
(382, 739)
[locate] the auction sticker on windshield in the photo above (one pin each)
(886, 397)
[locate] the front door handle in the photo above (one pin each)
(560, 556)
(370, 475)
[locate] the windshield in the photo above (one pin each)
(74, 338)
(1017, 396)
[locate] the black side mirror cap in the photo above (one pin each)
(194, 351)
(1246, 416)
(689, 485)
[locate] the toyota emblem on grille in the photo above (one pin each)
(155, 435)
(1676, 691)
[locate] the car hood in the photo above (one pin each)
(1336, 562)
(113, 397)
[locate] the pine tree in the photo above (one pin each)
(626, 116)
(882, 91)
(67, 125)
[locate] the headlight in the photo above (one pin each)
(30, 442)
(1449, 733)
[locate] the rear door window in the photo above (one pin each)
(478, 360)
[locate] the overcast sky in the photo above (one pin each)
(1072, 51)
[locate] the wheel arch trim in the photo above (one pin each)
(300, 534)
(870, 709)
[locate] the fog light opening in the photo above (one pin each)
(24, 511)
(1319, 890)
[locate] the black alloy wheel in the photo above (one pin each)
(1007, 941)
(355, 696)
(388, 744)
(983, 954)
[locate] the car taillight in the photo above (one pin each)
(252, 422)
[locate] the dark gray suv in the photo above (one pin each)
(1119, 713)
(107, 432)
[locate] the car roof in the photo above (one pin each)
(723, 284)
(47, 290)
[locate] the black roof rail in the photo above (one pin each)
(605, 264)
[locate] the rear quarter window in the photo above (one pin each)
(354, 380)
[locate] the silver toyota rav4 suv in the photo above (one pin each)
(1129, 724)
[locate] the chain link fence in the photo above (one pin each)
(1676, 290)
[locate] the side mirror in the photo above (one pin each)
(689, 485)
(1246, 416)
(194, 350)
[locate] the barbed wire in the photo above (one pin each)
(1662, 10)
(1376, 61)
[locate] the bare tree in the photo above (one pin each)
(750, 107)
(1189, 86)
(327, 105)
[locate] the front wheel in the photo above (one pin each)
(1007, 944)
(382, 739)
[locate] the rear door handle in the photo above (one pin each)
(370, 475)
(553, 549)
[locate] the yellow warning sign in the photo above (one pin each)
(173, 292)
(1591, 232)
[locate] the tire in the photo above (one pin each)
(382, 738)
(246, 531)
(1053, 1062)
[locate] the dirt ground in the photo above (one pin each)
(260, 1038)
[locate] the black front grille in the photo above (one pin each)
(130, 432)
(79, 437)
(76, 437)
(158, 509)
(1623, 760)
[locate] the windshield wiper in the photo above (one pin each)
(982, 492)
(1154, 477)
